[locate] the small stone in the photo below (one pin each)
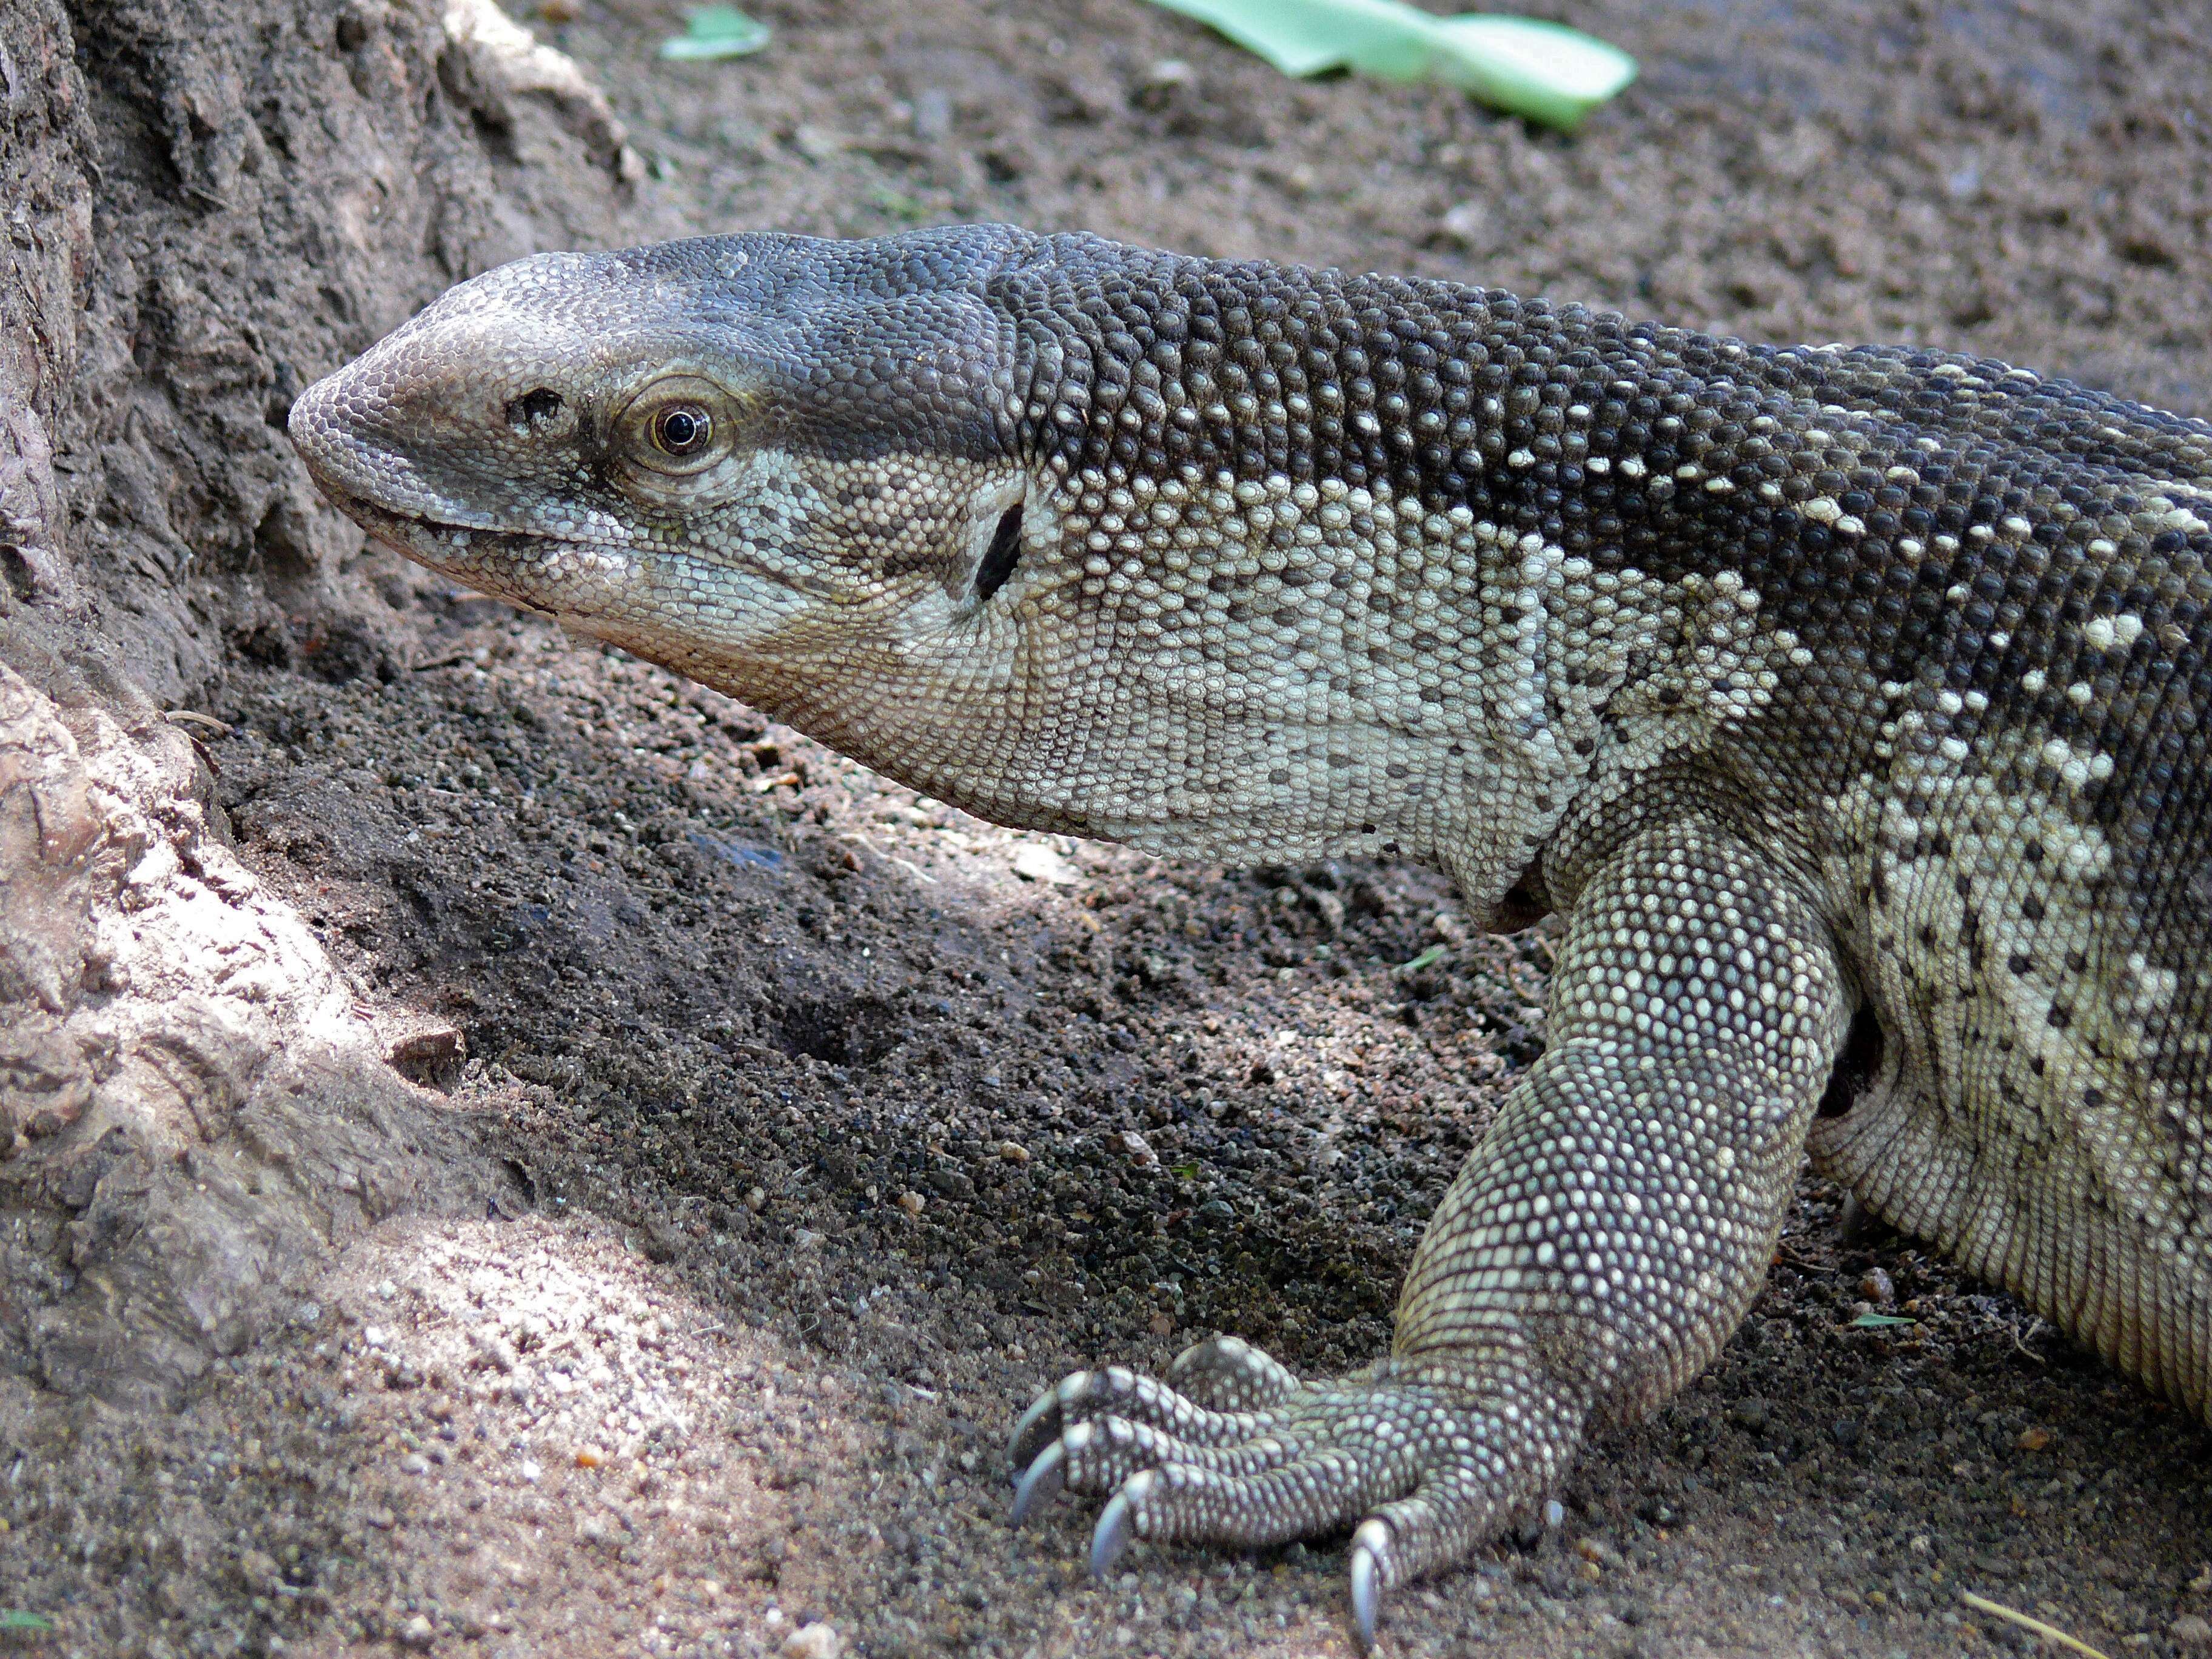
(1162, 77)
(2033, 1439)
(912, 1203)
(430, 1057)
(816, 142)
(1876, 1286)
(1014, 1151)
(1754, 1414)
(933, 114)
(814, 1641)
(590, 1457)
(418, 1633)
(532, 1470)
(1035, 863)
(415, 1463)
(373, 1336)
(495, 1350)
(1595, 1549)
(1131, 1144)
(1466, 224)
(756, 1198)
(2191, 1630)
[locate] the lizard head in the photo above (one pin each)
(783, 467)
(1075, 536)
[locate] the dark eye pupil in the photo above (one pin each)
(683, 429)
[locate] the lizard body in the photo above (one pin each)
(1849, 704)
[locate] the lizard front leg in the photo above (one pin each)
(1593, 1254)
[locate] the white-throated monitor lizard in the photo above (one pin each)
(1850, 706)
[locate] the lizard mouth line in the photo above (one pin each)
(438, 541)
(490, 551)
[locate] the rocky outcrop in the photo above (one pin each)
(208, 203)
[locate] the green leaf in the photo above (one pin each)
(1434, 953)
(1187, 1171)
(1874, 1322)
(16, 1619)
(716, 32)
(1546, 71)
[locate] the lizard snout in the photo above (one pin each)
(415, 432)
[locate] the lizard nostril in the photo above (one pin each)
(533, 409)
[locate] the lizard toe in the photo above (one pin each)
(1116, 1391)
(1228, 1374)
(1106, 1452)
(1192, 1502)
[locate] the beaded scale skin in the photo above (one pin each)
(1849, 705)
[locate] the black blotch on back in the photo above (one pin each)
(1005, 552)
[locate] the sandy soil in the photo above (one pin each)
(840, 1123)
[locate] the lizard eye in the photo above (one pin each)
(682, 430)
(678, 428)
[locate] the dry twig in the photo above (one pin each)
(2050, 1633)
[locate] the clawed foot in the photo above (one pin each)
(1428, 1459)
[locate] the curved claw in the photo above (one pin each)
(1115, 1526)
(1023, 1446)
(1370, 1549)
(1041, 1482)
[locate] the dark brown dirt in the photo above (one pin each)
(841, 1123)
